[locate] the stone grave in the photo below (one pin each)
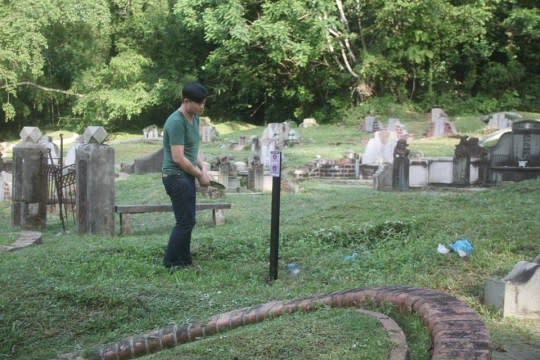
(396, 126)
(372, 124)
(274, 137)
(518, 293)
(516, 156)
(151, 132)
(501, 120)
(308, 122)
(400, 178)
(440, 124)
(380, 148)
(208, 134)
(54, 152)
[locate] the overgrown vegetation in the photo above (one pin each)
(121, 64)
(77, 292)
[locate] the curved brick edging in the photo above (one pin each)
(456, 330)
(399, 350)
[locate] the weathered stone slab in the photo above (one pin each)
(26, 238)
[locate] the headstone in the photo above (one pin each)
(502, 120)
(380, 149)
(293, 137)
(255, 175)
(396, 126)
(440, 125)
(95, 184)
(151, 132)
(400, 179)
(70, 156)
(208, 134)
(224, 170)
(462, 163)
(516, 294)
(274, 137)
(29, 196)
(54, 153)
(382, 178)
(149, 164)
(308, 122)
(5, 185)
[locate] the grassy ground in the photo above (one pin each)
(76, 292)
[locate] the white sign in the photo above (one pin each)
(275, 163)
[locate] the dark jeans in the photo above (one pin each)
(181, 190)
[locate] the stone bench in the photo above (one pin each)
(124, 211)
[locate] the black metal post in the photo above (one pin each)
(274, 234)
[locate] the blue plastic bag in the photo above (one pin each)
(463, 247)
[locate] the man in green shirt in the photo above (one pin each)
(182, 164)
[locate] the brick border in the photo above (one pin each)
(456, 330)
(399, 350)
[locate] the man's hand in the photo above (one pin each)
(204, 180)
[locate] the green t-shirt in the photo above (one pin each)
(178, 131)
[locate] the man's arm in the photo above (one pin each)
(177, 152)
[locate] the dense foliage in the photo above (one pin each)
(121, 63)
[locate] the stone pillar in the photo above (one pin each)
(29, 194)
(462, 163)
(95, 184)
(400, 176)
(223, 175)
(256, 176)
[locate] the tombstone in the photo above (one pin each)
(400, 179)
(149, 164)
(372, 124)
(255, 175)
(380, 148)
(382, 178)
(273, 138)
(516, 294)
(440, 125)
(70, 156)
(224, 170)
(95, 184)
(462, 163)
(308, 122)
(516, 156)
(29, 196)
(369, 122)
(54, 152)
(396, 126)
(151, 132)
(5, 185)
(208, 134)
(292, 137)
(501, 120)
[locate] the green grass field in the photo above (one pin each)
(76, 292)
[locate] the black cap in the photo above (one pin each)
(194, 91)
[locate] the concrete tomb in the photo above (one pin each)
(518, 293)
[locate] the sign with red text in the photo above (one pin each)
(275, 163)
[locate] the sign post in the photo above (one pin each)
(275, 171)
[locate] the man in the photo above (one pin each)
(182, 164)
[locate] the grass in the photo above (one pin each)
(75, 292)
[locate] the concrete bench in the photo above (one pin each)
(124, 211)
